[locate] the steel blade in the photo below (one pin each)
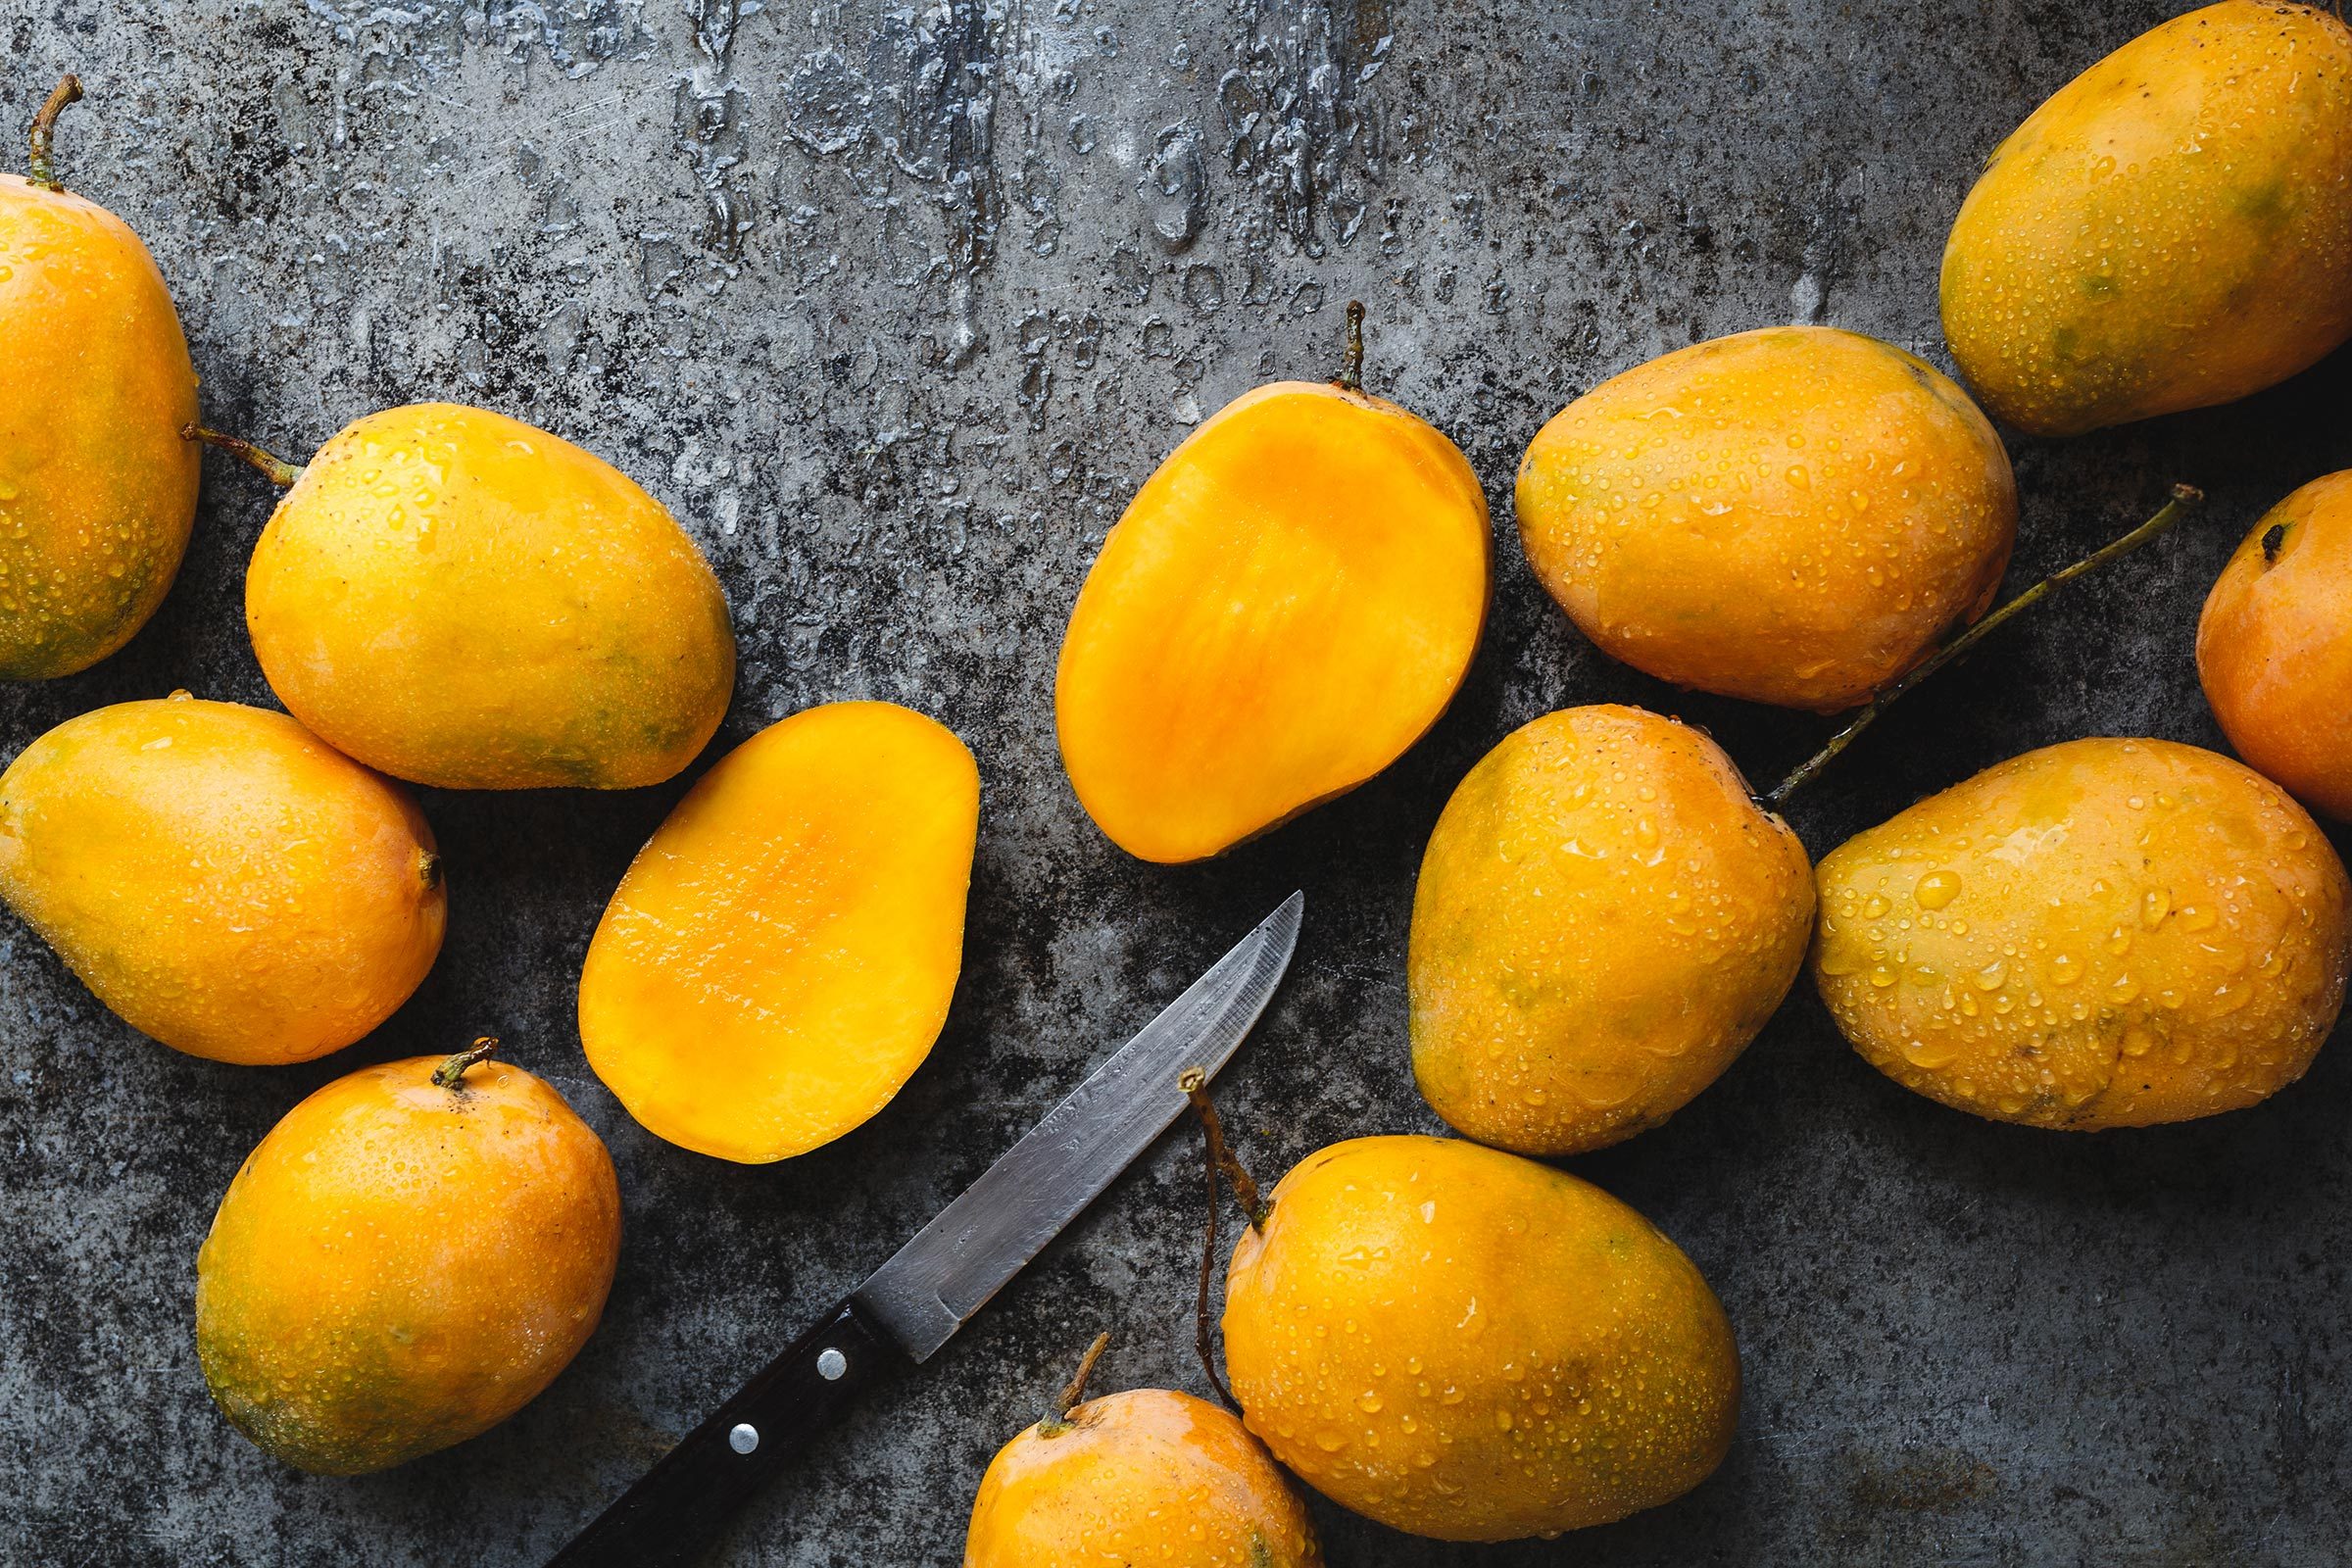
(937, 1281)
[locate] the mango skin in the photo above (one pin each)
(220, 878)
(2275, 645)
(1469, 1346)
(1147, 1476)
(399, 1267)
(457, 599)
(1605, 919)
(97, 487)
(2171, 230)
(1288, 605)
(1793, 516)
(2107, 933)
(780, 956)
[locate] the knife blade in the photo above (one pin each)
(913, 1304)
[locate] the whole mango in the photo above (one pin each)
(1469, 1346)
(407, 1258)
(1605, 919)
(455, 598)
(1145, 1476)
(1287, 606)
(97, 487)
(2275, 645)
(2172, 229)
(1793, 516)
(2107, 933)
(220, 878)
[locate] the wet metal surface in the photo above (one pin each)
(895, 305)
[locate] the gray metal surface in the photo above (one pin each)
(932, 1285)
(895, 305)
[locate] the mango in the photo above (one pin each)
(2275, 645)
(780, 956)
(1793, 515)
(1287, 606)
(457, 599)
(97, 487)
(1469, 1346)
(407, 1258)
(1145, 1476)
(1605, 919)
(220, 878)
(2172, 229)
(2107, 933)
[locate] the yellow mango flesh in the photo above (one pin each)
(1793, 515)
(1147, 1476)
(2108, 933)
(220, 878)
(780, 956)
(455, 598)
(399, 1267)
(1469, 1346)
(1605, 919)
(97, 488)
(2275, 645)
(2172, 229)
(1287, 606)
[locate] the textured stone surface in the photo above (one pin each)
(896, 305)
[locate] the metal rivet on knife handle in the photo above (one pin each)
(745, 1438)
(831, 1365)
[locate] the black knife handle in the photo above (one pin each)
(667, 1518)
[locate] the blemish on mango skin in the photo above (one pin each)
(2140, 932)
(2170, 231)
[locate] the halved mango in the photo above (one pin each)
(1288, 605)
(779, 957)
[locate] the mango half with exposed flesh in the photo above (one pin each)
(780, 956)
(1289, 603)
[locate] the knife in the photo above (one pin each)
(912, 1305)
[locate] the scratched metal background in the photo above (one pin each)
(896, 303)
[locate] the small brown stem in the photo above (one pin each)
(1058, 1419)
(1195, 1084)
(276, 471)
(2185, 496)
(1352, 364)
(451, 1073)
(2272, 538)
(43, 167)
(428, 869)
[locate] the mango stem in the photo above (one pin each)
(43, 164)
(1220, 1158)
(276, 471)
(452, 1071)
(1352, 362)
(1058, 1419)
(2184, 498)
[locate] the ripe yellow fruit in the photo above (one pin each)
(455, 598)
(1469, 1346)
(2108, 933)
(220, 878)
(410, 1257)
(1288, 605)
(1793, 516)
(97, 487)
(1605, 919)
(2275, 645)
(2172, 229)
(1143, 1477)
(780, 956)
